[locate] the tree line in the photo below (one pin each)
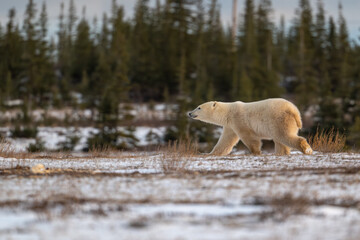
(179, 51)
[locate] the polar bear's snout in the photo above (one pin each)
(192, 115)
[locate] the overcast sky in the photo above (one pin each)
(351, 10)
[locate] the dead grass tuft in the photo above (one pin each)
(182, 147)
(104, 151)
(6, 150)
(328, 141)
(175, 157)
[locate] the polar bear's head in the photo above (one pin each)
(207, 112)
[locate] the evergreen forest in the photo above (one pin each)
(180, 52)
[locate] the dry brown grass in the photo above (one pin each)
(288, 205)
(175, 157)
(183, 148)
(104, 151)
(283, 207)
(6, 150)
(328, 141)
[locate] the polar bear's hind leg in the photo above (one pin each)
(305, 147)
(254, 145)
(281, 149)
(298, 143)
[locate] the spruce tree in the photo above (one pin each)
(248, 56)
(113, 100)
(199, 83)
(63, 58)
(103, 41)
(333, 57)
(268, 84)
(324, 55)
(303, 60)
(83, 51)
(344, 49)
(355, 91)
(11, 57)
(44, 61)
(142, 53)
(71, 22)
(320, 56)
(219, 54)
(29, 57)
(281, 46)
(345, 68)
(177, 18)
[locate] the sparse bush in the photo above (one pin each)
(170, 134)
(113, 138)
(102, 140)
(38, 146)
(24, 132)
(70, 143)
(127, 139)
(329, 141)
(152, 138)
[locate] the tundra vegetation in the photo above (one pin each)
(179, 193)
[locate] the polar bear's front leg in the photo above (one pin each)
(226, 142)
(254, 145)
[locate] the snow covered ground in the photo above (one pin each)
(162, 195)
(52, 137)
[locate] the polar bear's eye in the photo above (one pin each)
(199, 108)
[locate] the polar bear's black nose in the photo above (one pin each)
(189, 114)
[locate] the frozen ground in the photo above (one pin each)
(167, 196)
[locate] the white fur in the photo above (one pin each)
(274, 119)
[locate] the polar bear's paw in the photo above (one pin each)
(308, 151)
(305, 147)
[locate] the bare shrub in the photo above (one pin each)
(329, 141)
(175, 157)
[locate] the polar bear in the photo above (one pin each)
(273, 119)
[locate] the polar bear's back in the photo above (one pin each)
(272, 105)
(271, 112)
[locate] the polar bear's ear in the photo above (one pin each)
(214, 104)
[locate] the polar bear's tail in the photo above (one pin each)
(295, 113)
(298, 120)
